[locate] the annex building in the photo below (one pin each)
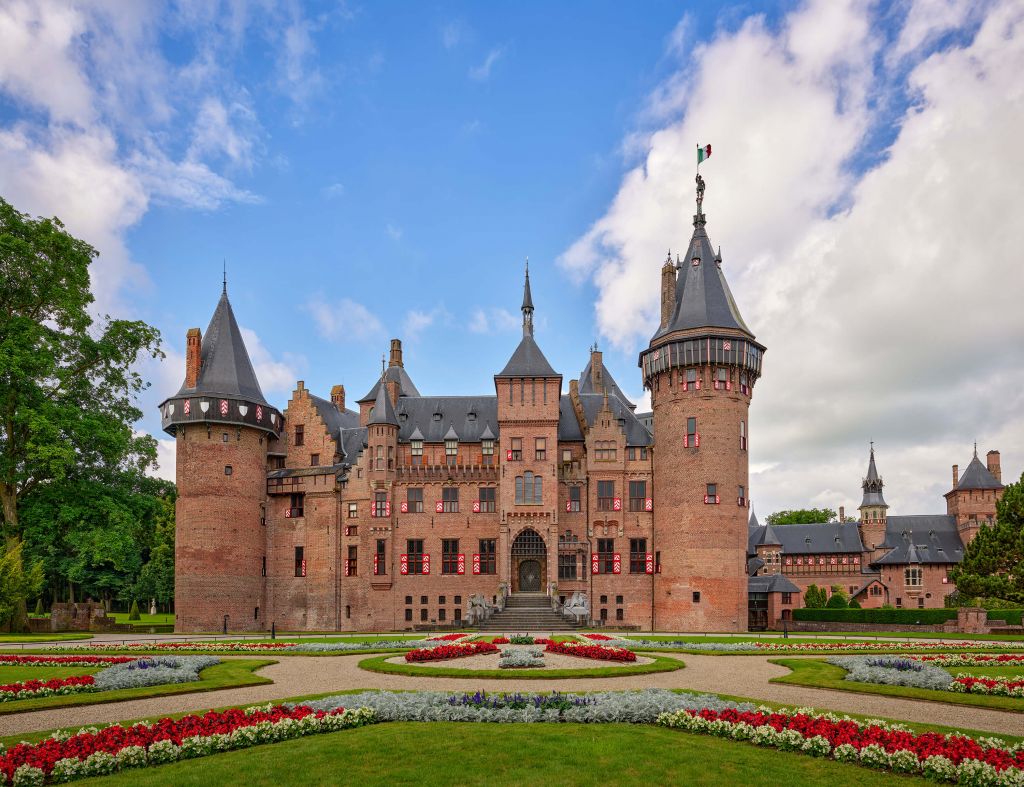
(393, 511)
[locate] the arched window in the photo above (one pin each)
(529, 489)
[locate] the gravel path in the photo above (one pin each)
(738, 675)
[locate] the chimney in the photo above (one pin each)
(842, 513)
(396, 353)
(193, 356)
(956, 475)
(668, 290)
(392, 388)
(597, 369)
(338, 397)
(992, 460)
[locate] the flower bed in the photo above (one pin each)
(628, 707)
(10, 660)
(442, 652)
(447, 638)
(92, 752)
(590, 651)
(153, 672)
(893, 671)
(252, 647)
(30, 689)
(972, 659)
(599, 637)
(954, 758)
(500, 641)
(1002, 687)
(517, 658)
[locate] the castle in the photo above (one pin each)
(393, 515)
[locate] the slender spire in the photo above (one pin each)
(527, 304)
(225, 290)
(872, 484)
(975, 449)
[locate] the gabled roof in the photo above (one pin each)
(527, 361)
(334, 418)
(766, 537)
(432, 418)
(383, 411)
(926, 538)
(818, 539)
(226, 369)
(771, 583)
(587, 384)
(392, 374)
(636, 433)
(977, 476)
(703, 298)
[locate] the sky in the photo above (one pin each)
(377, 170)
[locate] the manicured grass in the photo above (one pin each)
(145, 619)
(227, 674)
(820, 674)
(13, 674)
(515, 754)
(615, 669)
(54, 637)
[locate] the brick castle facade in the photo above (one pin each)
(391, 514)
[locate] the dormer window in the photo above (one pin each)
(416, 449)
(695, 261)
(471, 416)
(437, 416)
(451, 451)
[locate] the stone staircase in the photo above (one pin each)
(527, 612)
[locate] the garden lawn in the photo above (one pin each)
(820, 674)
(14, 674)
(613, 670)
(54, 637)
(228, 674)
(145, 619)
(514, 754)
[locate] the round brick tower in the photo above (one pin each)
(700, 367)
(222, 426)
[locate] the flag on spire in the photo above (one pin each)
(703, 153)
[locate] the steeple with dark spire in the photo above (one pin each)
(527, 304)
(873, 505)
(383, 410)
(527, 360)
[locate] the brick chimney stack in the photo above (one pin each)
(338, 397)
(842, 513)
(396, 353)
(597, 369)
(668, 290)
(193, 356)
(992, 460)
(956, 475)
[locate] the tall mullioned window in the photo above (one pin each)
(487, 450)
(451, 451)
(574, 498)
(567, 565)
(450, 499)
(605, 555)
(488, 556)
(414, 551)
(529, 490)
(638, 556)
(416, 450)
(605, 495)
(450, 556)
(637, 495)
(912, 577)
(488, 495)
(414, 499)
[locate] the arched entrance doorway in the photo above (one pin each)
(529, 562)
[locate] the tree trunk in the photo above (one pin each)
(9, 503)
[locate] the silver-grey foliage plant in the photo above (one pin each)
(517, 658)
(153, 672)
(872, 669)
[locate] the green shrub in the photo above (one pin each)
(814, 597)
(838, 598)
(854, 604)
(39, 607)
(899, 616)
(1011, 616)
(134, 613)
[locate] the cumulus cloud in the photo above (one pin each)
(495, 319)
(482, 72)
(276, 375)
(887, 293)
(344, 320)
(417, 321)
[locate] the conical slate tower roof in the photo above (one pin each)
(383, 410)
(977, 476)
(527, 360)
(226, 369)
(703, 297)
(872, 485)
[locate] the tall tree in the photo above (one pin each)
(802, 516)
(67, 383)
(993, 564)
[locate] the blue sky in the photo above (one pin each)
(378, 170)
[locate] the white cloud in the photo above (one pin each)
(229, 130)
(344, 320)
(495, 319)
(166, 459)
(333, 191)
(482, 72)
(274, 375)
(889, 299)
(394, 231)
(452, 34)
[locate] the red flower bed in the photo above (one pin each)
(10, 660)
(447, 637)
(598, 637)
(442, 652)
(542, 641)
(602, 652)
(112, 739)
(500, 641)
(956, 748)
(17, 691)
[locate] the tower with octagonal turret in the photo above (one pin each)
(700, 367)
(223, 428)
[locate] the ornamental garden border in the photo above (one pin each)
(614, 670)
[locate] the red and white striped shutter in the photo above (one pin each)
(856, 560)
(649, 562)
(287, 513)
(595, 563)
(188, 406)
(303, 566)
(717, 500)
(439, 507)
(789, 561)
(508, 455)
(686, 441)
(697, 384)
(476, 506)
(568, 505)
(696, 440)
(387, 508)
(426, 563)
(347, 569)
(376, 564)
(259, 412)
(616, 564)
(403, 507)
(649, 504)
(476, 563)
(728, 385)
(460, 565)
(616, 504)
(223, 407)
(403, 564)
(373, 509)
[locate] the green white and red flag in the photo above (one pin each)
(703, 153)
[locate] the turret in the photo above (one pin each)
(222, 425)
(972, 500)
(700, 367)
(873, 508)
(393, 377)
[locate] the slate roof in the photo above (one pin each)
(470, 416)
(771, 583)
(334, 418)
(392, 374)
(383, 411)
(765, 536)
(703, 298)
(754, 564)
(977, 476)
(528, 361)
(872, 485)
(925, 538)
(587, 383)
(352, 442)
(816, 539)
(752, 522)
(636, 432)
(226, 369)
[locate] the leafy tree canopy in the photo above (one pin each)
(993, 564)
(67, 382)
(802, 516)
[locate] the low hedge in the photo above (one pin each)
(898, 616)
(1011, 616)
